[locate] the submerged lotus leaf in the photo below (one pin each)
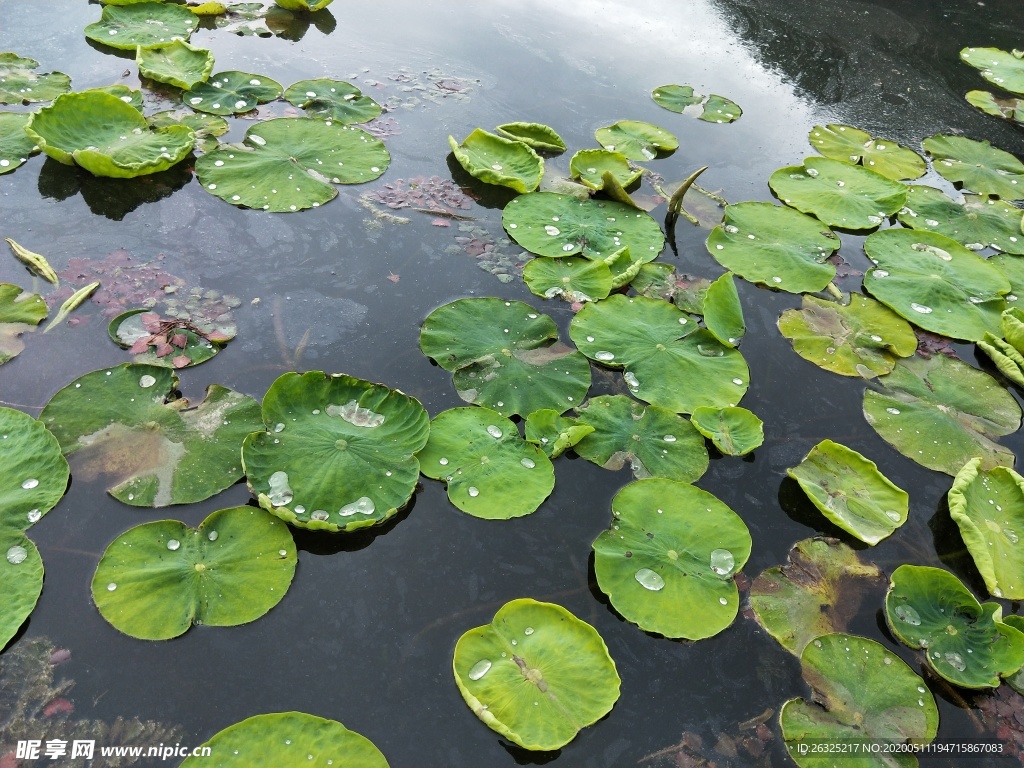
(655, 442)
(862, 338)
(988, 506)
(667, 360)
(1006, 108)
(16, 146)
(490, 471)
(176, 63)
(863, 694)
(976, 223)
(20, 312)
(733, 430)
(333, 100)
(205, 127)
(999, 67)
(19, 84)
(505, 356)
(553, 432)
(965, 642)
(142, 25)
(497, 160)
(35, 472)
(668, 561)
(856, 147)
(338, 453)
(290, 163)
(537, 136)
(126, 424)
(977, 165)
(21, 582)
(840, 194)
(942, 413)
(723, 313)
(636, 140)
(572, 278)
(935, 283)
(536, 674)
(232, 92)
(590, 165)
(774, 246)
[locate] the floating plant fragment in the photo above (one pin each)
(142, 25)
(1002, 68)
(676, 98)
(497, 160)
(20, 313)
(534, 135)
(231, 93)
(36, 262)
(35, 474)
(176, 63)
(536, 674)
(711, 109)
(303, 5)
(572, 278)
(205, 127)
(16, 146)
(21, 582)
(333, 100)
(733, 430)
(723, 313)
(1007, 108)
(977, 165)
(636, 140)
(854, 146)
(553, 432)
(168, 342)
(590, 165)
(976, 223)
(19, 84)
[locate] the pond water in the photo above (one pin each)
(366, 633)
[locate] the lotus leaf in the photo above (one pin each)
(623, 267)
(840, 194)
(534, 135)
(852, 145)
(965, 641)
(590, 165)
(863, 694)
(157, 579)
(723, 313)
(1012, 322)
(123, 92)
(718, 109)
(232, 92)
(676, 98)
(977, 165)
(176, 63)
(505, 356)
(35, 474)
(16, 146)
(491, 472)
(1008, 360)
(303, 5)
(734, 431)
(816, 593)
(667, 360)
(142, 25)
(978, 222)
(20, 312)
(572, 278)
(774, 246)
(1012, 268)
(1006, 108)
(636, 140)
(1016, 681)
(21, 582)
(553, 432)
(262, 171)
(667, 562)
(496, 160)
(126, 423)
(20, 85)
(338, 452)
(205, 127)
(941, 413)
(536, 674)
(333, 100)
(713, 108)
(935, 283)
(998, 67)
(106, 136)
(171, 344)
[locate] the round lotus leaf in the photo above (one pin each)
(21, 582)
(636, 140)
(491, 472)
(333, 100)
(142, 25)
(964, 641)
(839, 194)
(232, 92)
(852, 145)
(106, 136)
(849, 490)
(1012, 269)
(711, 109)
(734, 431)
(16, 146)
(935, 283)
(862, 338)
(774, 246)
(816, 593)
(655, 442)
(264, 172)
(999, 67)
(536, 674)
(126, 424)
(942, 413)
(667, 360)
(303, 5)
(497, 160)
(590, 165)
(157, 579)
(976, 223)
(176, 63)
(572, 278)
(205, 127)
(723, 313)
(505, 356)
(123, 92)
(977, 165)
(35, 472)
(180, 347)
(667, 562)
(537, 136)
(718, 109)
(363, 436)
(863, 694)
(20, 312)
(19, 84)
(990, 104)
(553, 432)
(988, 506)
(676, 98)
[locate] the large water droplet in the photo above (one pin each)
(146, 381)
(722, 562)
(955, 660)
(669, 438)
(354, 414)
(34, 515)
(212, 535)
(111, 587)
(173, 544)
(1010, 536)
(280, 492)
(279, 427)
(16, 554)
(879, 273)
(30, 484)
(479, 669)
(528, 631)
(604, 356)
(893, 411)
(473, 491)
(894, 516)
(631, 380)
(553, 231)
(920, 308)
(363, 505)
(649, 579)
(528, 463)
(908, 615)
(494, 432)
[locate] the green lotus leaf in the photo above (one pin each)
(935, 283)
(232, 92)
(536, 674)
(20, 313)
(497, 160)
(676, 98)
(1007, 108)
(999, 67)
(988, 506)
(977, 165)
(840, 194)
(816, 593)
(505, 356)
(126, 423)
(35, 472)
(333, 100)
(572, 278)
(636, 140)
(1012, 323)
(712, 109)
(21, 582)
(303, 5)
(590, 165)
(142, 25)
(667, 562)
(623, 267)
(734, 431)
(262, 171)
(157, 579)
(16, 146)
(774, 246)
(849, 490)
(655, 442)
(863, 694)
(128, 328)
(176, 63)
(289, 738)
(338, 453)
(667, 360)
(852, 145)
(941, 413)
(553, 432)
(534, 135)
(106, 136)
(965, 641)
(123, 92)
(1015, 681)
(490, 471)
(977, 222)
(862, 338)
(19, 84)
(1007, 359)
(205, 127)
(718, 109)
(723, 313)
(1012, 268)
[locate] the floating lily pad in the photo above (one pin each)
(711, 109)
(534, 135)
(1012, 268)
(35, 474)
(21, 582)
(496, 160)
(304, 5)
(718, 109)
(16, 146)
(856, 147)
(636, 140)
(232, 92)
(667, 562)
(964, 641)
(1006, 108)
(733, 430)
(142, 25)
(723, 313)
(590, 165)
(333, 100)
(491, 472)
(176, 63)
(364, 437)
(774, 246)
(19, 84)
(942, 413)
(125, 423)
(976, 223)
(572, 278)
(536, 674)
(154, 340)
(553, 432)
(20, 313)
(123, 92)
(977, 165)
(205, 127)
(676, 98)
(1001, 68)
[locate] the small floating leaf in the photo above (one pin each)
(636, 140)
(35, 261)
(856, 147)
(21, 582)
(554, 433)
(534, 135)
(16, 146)
(142, 25)
(590, 165)
(978, 222)
(205, 127)
(977, 165)
(20, 85)
(176, 63)
(723, 313)
(156, 341)
(20, 312)
(496, 160)
(72, 303)
(572, 278)
(712, 109)
(304, 5)
(990, 104)
(333, 100)
(733, 430)
(35, 474)
(718, 109)
(999, 67)
(676, 98)
(232, 92)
